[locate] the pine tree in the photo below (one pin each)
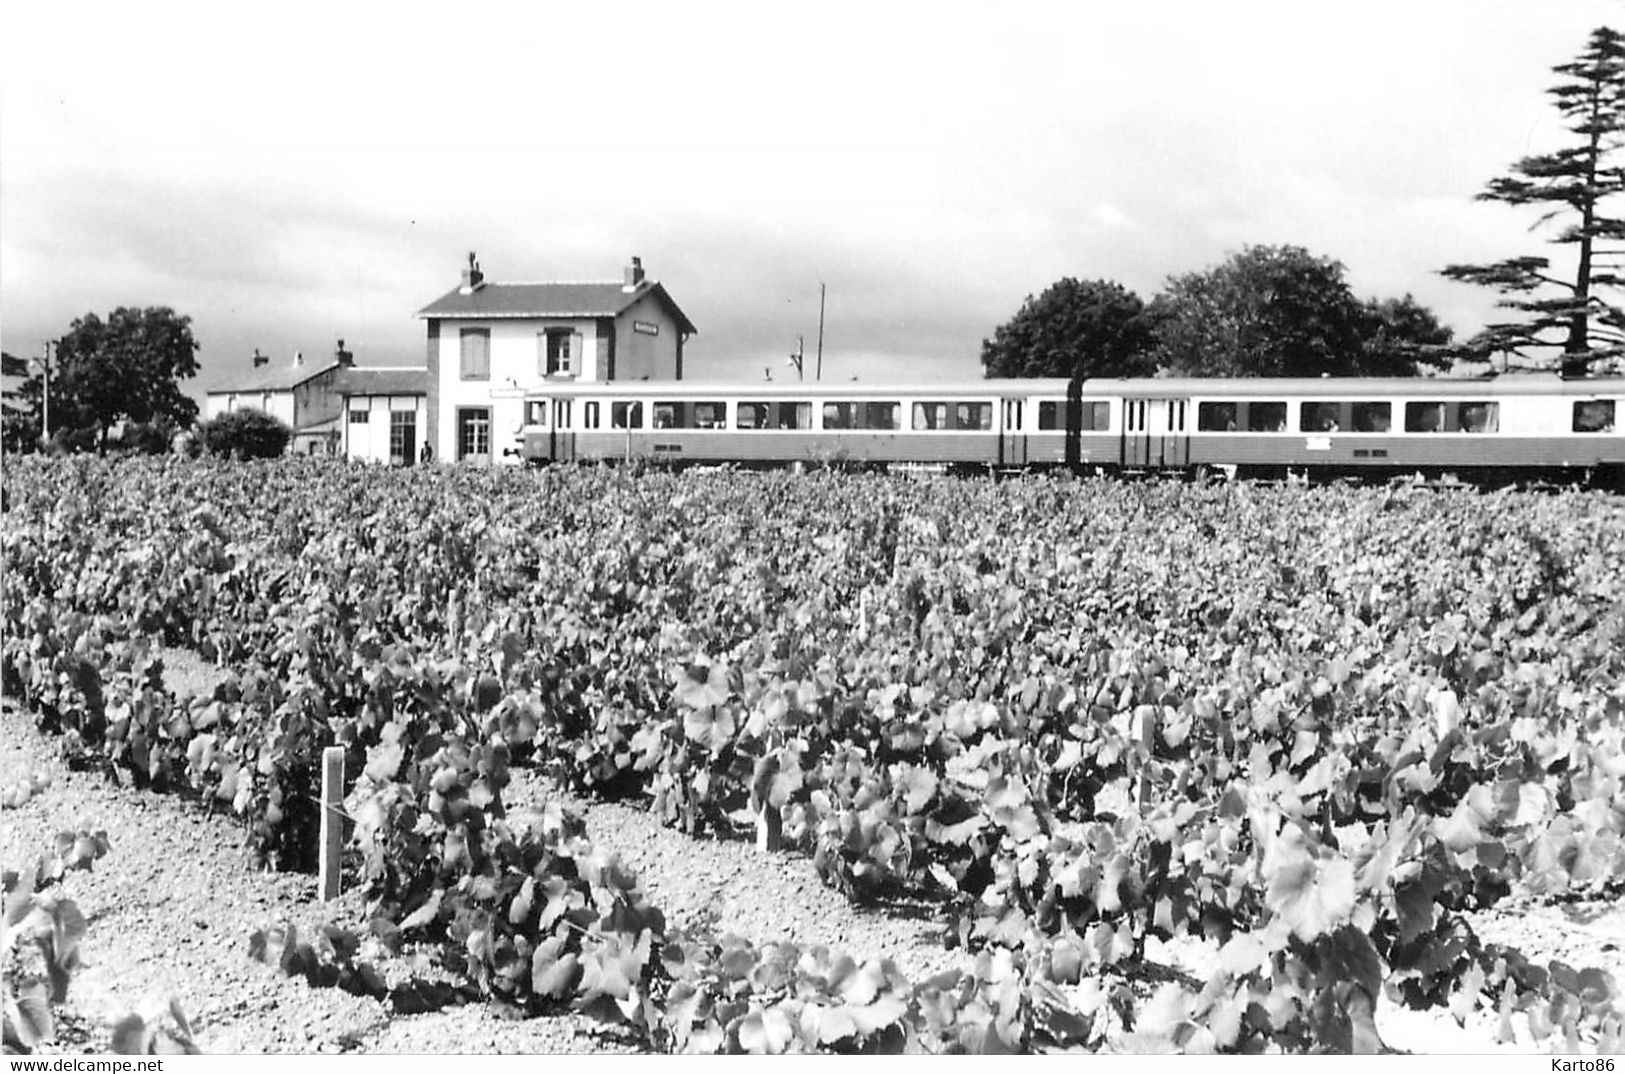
(1574, 182)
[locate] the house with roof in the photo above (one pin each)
(489, 343)
(335, 407)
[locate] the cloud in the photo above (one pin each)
(1110, 217)
(313, 174)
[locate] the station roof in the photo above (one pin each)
(505, 300)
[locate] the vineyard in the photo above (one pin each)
(1306, 733)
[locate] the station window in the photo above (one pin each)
(1424, 417)
(1373, 417)
(930, 416)
(840, 415)
(1319, 417)
(1266, 417)
(626, 415)
(1216, 417)
(475, 353)
(973, 415)
(590, 415)
(559, 347)
(358, 417)
(1594, 416)
(536, 412)
(1480, 417)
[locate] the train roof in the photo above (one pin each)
(1145, 388)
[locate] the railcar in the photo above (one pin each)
(1526, 424)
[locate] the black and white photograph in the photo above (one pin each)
(725, 529)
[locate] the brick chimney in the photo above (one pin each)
(472, 276)
(345, 358)
(634, 275)
(260, 359)
(298, 358)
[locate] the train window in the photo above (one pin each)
(536, 412)
(795, 415)
(1373, 417)
(710, 416)
(840, 415)
(1266, 417)
(590, 415)
(973, 416)
(1424, 417)
(626, 415)
(1093, 416)
(1216, 417)
(668, 415)
(752, 416)
(1480, 417)
(882, 415)
(930, 416)
(1319, 417)
(1594, 416)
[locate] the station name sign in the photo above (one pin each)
(648, 328)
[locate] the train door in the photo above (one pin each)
(1012, 440)
(563, 434)
(1154, 433)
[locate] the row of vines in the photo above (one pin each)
(1308, 728)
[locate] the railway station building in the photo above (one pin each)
(489, 343)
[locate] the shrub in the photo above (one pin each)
(145, 438)
(250, 434)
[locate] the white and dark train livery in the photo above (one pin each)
(1527, 424)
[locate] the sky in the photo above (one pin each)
(295, 176)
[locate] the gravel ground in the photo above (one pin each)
(172, 905)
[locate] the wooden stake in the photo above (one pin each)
(769, 828)
(332, 821)
(1145, 738)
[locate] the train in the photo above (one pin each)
(1479, 427)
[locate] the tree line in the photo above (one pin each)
(1271, 311)
(114, 383)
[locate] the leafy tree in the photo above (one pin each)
(250, 434)
(20, 422)
(1572, 183)
(1401, 334)
(1076, 328)
(1280, 311)
(128, 366)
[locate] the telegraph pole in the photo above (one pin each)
(819, 369)
(45, 394)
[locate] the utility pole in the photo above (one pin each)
(819, 373)
(45, 393)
